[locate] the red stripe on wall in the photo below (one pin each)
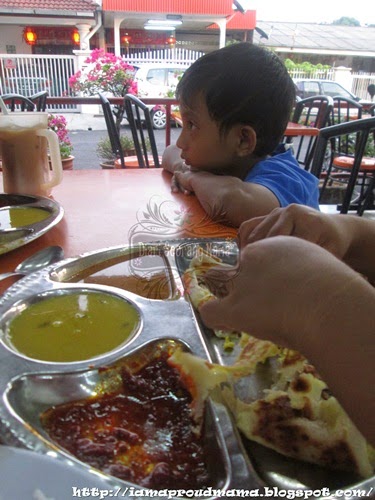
(199, 7)
(246, 21)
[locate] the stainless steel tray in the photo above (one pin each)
(11, 238)
(25, 383)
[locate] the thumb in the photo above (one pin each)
(214, 314)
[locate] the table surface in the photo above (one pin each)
(104, 208)
(295, 129)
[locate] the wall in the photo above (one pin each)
(12, 36)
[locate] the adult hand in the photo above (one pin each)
(303, 222)
(298, 295)
(282, 289)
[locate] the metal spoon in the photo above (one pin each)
(37, 261)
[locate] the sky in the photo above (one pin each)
(313, 11)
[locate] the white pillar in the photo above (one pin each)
(343, 76)
(83, 30)
(222, 23)
(82, 55)
(116, 37)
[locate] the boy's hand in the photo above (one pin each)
(181, 179)
(173, 163)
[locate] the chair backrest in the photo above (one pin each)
(137, 114)
(40, 100)
(312, 111)
(16, 102)
(361, 129)
(113, 134)
(344, 110)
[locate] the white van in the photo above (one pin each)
(158, 80)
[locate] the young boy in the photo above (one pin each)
(235, 104)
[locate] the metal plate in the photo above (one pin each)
(25, 383)
(11, 238)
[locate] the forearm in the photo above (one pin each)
(229, 199)
(361, 250)
(298, 295)
(338, 338)
(348, 237)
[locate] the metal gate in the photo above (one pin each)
(28, 74)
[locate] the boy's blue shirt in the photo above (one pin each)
(282, 175)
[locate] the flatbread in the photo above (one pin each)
(294, 413)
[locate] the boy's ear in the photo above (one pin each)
(247, 140)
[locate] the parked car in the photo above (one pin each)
(158, 80)
(25, 85)
(309, 88)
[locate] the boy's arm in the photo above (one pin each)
(226, 198)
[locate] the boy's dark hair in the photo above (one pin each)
(242, 83)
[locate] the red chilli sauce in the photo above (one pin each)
(143, 434)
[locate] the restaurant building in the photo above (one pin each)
(61, 27)
(51, 39)
(132, 26)
(349, 46)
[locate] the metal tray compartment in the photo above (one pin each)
(11, 238)
(28, 395)
(25, 384)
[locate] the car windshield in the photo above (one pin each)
(333, 89)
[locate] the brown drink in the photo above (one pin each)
(25, 142)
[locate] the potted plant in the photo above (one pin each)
(106, 72)
(105, 153)
(58, 124)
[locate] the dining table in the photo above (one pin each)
(105, 208)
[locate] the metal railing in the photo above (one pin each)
(53, 102)
(29, 74)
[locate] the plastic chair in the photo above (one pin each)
(312, 111)
(40, 100)
(344, 110)
(137, 114)
(13, 101)
(113, 134)
(361, 168)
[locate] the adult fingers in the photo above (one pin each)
(219, 280)
(216, 314)
(277, 223)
